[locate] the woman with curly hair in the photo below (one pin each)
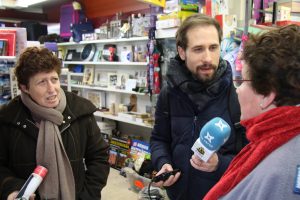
(268, 167)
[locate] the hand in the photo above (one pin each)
(171, 180)
(210, 166)
(13, 195)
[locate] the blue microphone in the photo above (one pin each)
(212, 136)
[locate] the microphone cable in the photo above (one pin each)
(149, 186)
(154, 194)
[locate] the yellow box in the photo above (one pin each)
(160, 3)
(175, 15)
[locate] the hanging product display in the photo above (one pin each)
(238, 64)
(153, 68)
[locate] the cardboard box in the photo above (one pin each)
(167, 23)
(293, 4)
(283, 13)
(119, 150)
(160, 3)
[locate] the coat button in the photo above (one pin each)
(18, 123)
(69, 117)
(64, 122)
(24, 126)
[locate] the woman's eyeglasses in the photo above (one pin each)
(239, 81)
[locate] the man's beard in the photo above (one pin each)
(205, 77)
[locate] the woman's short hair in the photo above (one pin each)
(35, 60)
(194, 21)
(273, 58)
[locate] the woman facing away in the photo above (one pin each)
(269, 166)
(53, 128)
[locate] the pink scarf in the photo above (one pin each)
(266, 133)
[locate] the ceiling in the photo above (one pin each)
(47, 11)
(49, 3)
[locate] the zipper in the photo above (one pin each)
(38, 127)
(194, 125)
(31, 122)
(65, 128)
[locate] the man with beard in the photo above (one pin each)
(199, 87)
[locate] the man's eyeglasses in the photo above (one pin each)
(238, 82)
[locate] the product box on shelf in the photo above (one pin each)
(101, 78)
(96, 97)
(3, 47)
(293, 4)
(112, 80)
(182, 15)
(119, 149)
(117, 27)
(139, 148)
(89, 36)
(126, 53)
(141, 24)
(168, 23)
(141, 77)
(109, 52)
(122, 78)
(282, 13)
(166, 33)
(171, 6)
(102, 32)
(19, 41)
(10, 37)
(161, 3)
(140, 53)
(15, 91)
(88, 75)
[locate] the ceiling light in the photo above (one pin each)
(26, 3)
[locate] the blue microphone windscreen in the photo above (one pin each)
(215, 133)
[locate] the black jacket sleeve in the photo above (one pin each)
(161, 135)
(96, 162)
(8, 180)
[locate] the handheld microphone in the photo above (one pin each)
(32, 183)
(212, 136)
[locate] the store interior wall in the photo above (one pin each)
(238, 8)
(97, 10)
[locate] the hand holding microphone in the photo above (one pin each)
(32, 183)
(210, 166)
(212, 136)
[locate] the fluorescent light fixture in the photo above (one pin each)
(26, 3)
